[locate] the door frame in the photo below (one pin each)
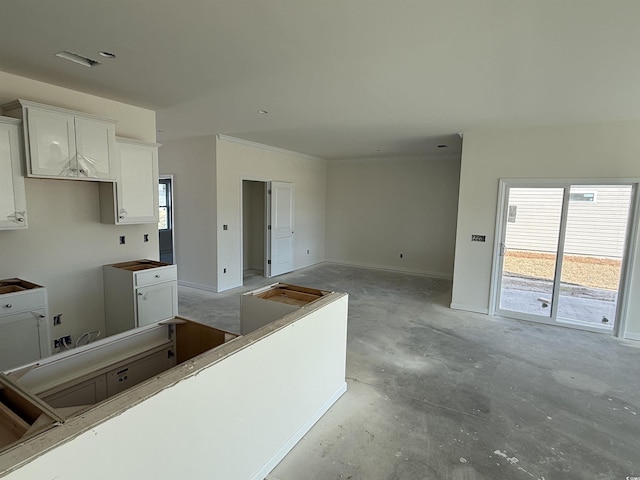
(630, 253)
(267, 238)
(169, 177)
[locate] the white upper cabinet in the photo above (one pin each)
(61, 143)
(133, 198)
(13, 204)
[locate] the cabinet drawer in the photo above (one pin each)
(156, 275)
(20, 302)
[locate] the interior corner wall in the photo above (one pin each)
(594, 151)
(239, 160)
(65, 245)
(192, 162)
(380, 208)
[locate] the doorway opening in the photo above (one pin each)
(254, 227)
(562, 253)
(165, 223)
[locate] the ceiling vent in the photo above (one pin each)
(74, 57)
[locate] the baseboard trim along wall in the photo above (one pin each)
(426, 273)
(199, 286)
(632, 336)
(469, 308)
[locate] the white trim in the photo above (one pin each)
(632, 336)
(410, 158)
(633, 231)
(469, 308)
(297, 436)
(249, 143)
(496, 262)
(169, 176)
(387, 268)
(267, 184)
(198, 286)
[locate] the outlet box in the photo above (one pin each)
(62, 341)
(121, 239)
(146, 237)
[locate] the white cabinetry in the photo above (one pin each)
(62, 143)
(13, 204)
(133, 198)
(24, 334)
(139, 293)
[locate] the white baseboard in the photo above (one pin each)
(199, 286)
(296, 437)
(426, 273)
(469, 308)
(632, 336)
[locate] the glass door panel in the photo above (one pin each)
(594, 245)
(529, 250)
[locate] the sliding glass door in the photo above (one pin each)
(561, 252)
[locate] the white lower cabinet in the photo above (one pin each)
(24, 335)
(139, 293)
(103, 385)
(88, 392)
(13, 203)
(156, 302)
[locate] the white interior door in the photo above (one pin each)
(281, 228)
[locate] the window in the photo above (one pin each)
(582, 197)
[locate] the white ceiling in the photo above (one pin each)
(339, 78)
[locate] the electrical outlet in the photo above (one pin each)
(308, 252)
(146, 237)
(224, 270)
(57, 319)
(62, 342)
(402, 255)
(478, 238)
(121, 239)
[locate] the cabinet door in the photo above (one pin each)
(13, 205)
(52, 144)
(95, 147)
(137, 188)
(20, 339)
(138, 371)
(88, 392)
(156, 302)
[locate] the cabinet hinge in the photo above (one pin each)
(170, 354)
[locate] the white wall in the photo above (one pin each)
(193, 165)
(235, 161)
(379, 208)
(65, 245)
(606, 150)
(202, 420)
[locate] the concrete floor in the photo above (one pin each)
(435, 393)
